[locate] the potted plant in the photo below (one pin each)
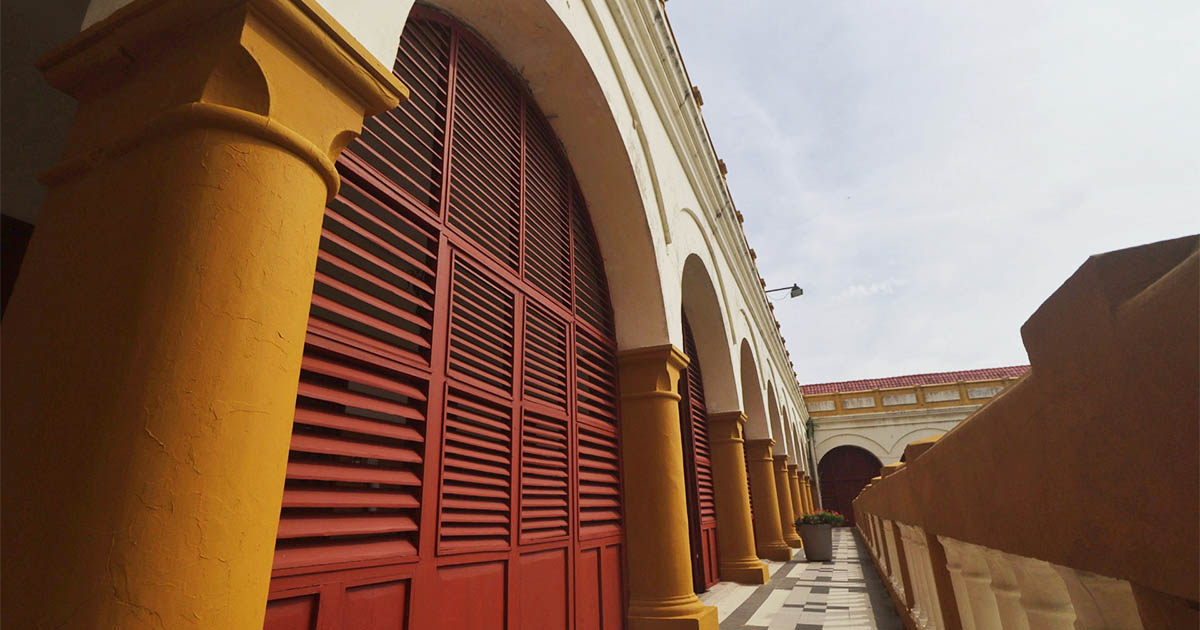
(816, 530)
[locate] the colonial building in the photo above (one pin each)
(363, 315)
(859, 426)
(337, 314)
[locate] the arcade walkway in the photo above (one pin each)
(845, 593)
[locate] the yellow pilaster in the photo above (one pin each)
(768, 535)
(735, 544)
(797, 496)
(656, 521)
(152, 344)
(783, 487)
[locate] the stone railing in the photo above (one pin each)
(1072, 500)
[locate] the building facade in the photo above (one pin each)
(860, 426)
(419, 316)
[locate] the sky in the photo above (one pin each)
(931, 171)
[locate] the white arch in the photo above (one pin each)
(777, 432)
(753, 405)
(704, 315)
(851, 439)
(913, 436)
(580, 92)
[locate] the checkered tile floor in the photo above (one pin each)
(844, 593)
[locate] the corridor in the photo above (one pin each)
(845, 593)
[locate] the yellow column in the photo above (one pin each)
(797, 496)
(152, 345)
(735, 540)
(656, 519)
(806, 492)
(783, 487)
(811, 490)
(768, 535)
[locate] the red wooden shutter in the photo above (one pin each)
(591, 289)
(599, 483)
(405, 146)
(354, 472)
(698, 458)
(456, 441)
(698, 416)
(547, 214)
(485, 181)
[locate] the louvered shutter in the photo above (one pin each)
(698, 459)
(547, 214)
(457, 403)
(697, 414)
(355, 468)
(485, 183)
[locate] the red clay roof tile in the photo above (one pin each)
(934, 378)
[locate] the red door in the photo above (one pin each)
(845, 471)
(697, 462)
(454, 459)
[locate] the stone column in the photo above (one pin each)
(656, 518)
(152, 345)
(805, 499)
(797, 497)
(768, 535)
(783, 488)
(735, 540)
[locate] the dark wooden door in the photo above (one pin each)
(697, 462)
(845, 471)
(454, 460)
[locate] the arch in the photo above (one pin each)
(845, 471)
(781, 446)
(574, 92)
(850, 439)
(913, 436)
(752, 396)
(702, 308)
(704, 237)
(792, 439)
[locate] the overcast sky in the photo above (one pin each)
(930, 171)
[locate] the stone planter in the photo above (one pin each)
(818, 542)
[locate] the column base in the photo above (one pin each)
(678, 613)
(794, 542)
(781, 553)
(745, 572)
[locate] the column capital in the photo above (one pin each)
(283, 71)
(651, 372)
(793, 469)
(780, 463)
(726, 426)
(760, 449)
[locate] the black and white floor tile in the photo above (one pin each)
(845, 593)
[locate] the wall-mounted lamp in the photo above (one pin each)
(794, 290)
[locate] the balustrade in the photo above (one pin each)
(1045, 509)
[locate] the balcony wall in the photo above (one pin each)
(1074, 496)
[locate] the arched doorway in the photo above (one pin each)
(454, 460)
(845, 471)
(698, 470)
